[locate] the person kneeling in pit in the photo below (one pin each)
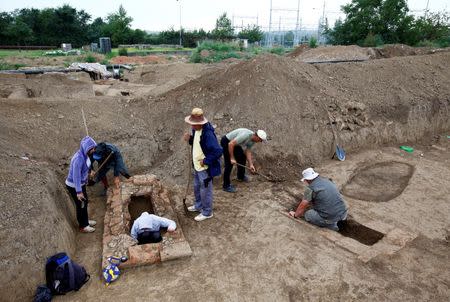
(147, 228)
(328, 206)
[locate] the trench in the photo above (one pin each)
(140, 204)
(353, 229)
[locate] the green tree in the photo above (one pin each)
(96, 30)
(19, 32)
(118, 27)
(252, 33)
(5, 20)
(223, 30)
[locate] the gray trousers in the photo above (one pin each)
(313, 217)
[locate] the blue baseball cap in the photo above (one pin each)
(96, 156)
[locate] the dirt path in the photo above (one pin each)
(250, 252)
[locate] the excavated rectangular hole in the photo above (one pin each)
(140, 204)
(361, 233)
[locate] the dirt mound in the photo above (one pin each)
(334, 53)
(45, 85)
(298, 51)
(290, 100)
(399, 50)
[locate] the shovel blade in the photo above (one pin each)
(340, 153)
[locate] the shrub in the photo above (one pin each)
(196, 57)
(123, 52)
(7, 66)
(218, 46)
(90, 59)
(372, 40)
(313, 42)
(278, 50)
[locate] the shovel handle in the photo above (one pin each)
(104, 162)
(244, 166)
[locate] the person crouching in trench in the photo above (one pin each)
(147, 228)
(327, 205)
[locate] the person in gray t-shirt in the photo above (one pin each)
(236, 149)
(323, 196)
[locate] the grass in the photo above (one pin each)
(4, 53)
(7, 66)
(213, 51)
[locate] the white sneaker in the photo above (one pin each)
(202, 217)
(87, 229)
(193, 209)
(92, 223)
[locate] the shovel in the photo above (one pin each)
(265, 176)
(339, 152)
(186, 211)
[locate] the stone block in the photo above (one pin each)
(176, 250)
(352, 245)
(143, 254)
(331, 235)
(116, 202)
(399, 237)
(117, 229)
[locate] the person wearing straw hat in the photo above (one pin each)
(206, 153)
(322, 195)
(233, 145)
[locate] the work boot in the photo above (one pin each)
(193, 209)
(201, 217)
(87, 229)
(230, 189)
(92, 223)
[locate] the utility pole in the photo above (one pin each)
(181, 45)
(426, 9)
(270, 26)
(297, 34)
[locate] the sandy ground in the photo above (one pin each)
(250, 252)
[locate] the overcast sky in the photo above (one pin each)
(156, 15)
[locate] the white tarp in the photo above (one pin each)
(93, 67)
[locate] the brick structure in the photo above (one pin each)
(116, 236)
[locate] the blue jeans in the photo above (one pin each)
(203, 195)
(313, 217)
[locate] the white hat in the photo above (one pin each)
(196, 117)
(309, 174)
(262, 135)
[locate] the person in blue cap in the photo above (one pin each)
(108, 157)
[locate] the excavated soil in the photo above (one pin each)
(374, 183)
(248, 250)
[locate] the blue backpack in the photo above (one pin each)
(63, 275)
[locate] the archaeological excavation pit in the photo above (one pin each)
(140, 204)
(140, 193)
(361, 233)
(380, 182)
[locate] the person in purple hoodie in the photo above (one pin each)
(76, 183)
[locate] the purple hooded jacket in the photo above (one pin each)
(78, 171)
